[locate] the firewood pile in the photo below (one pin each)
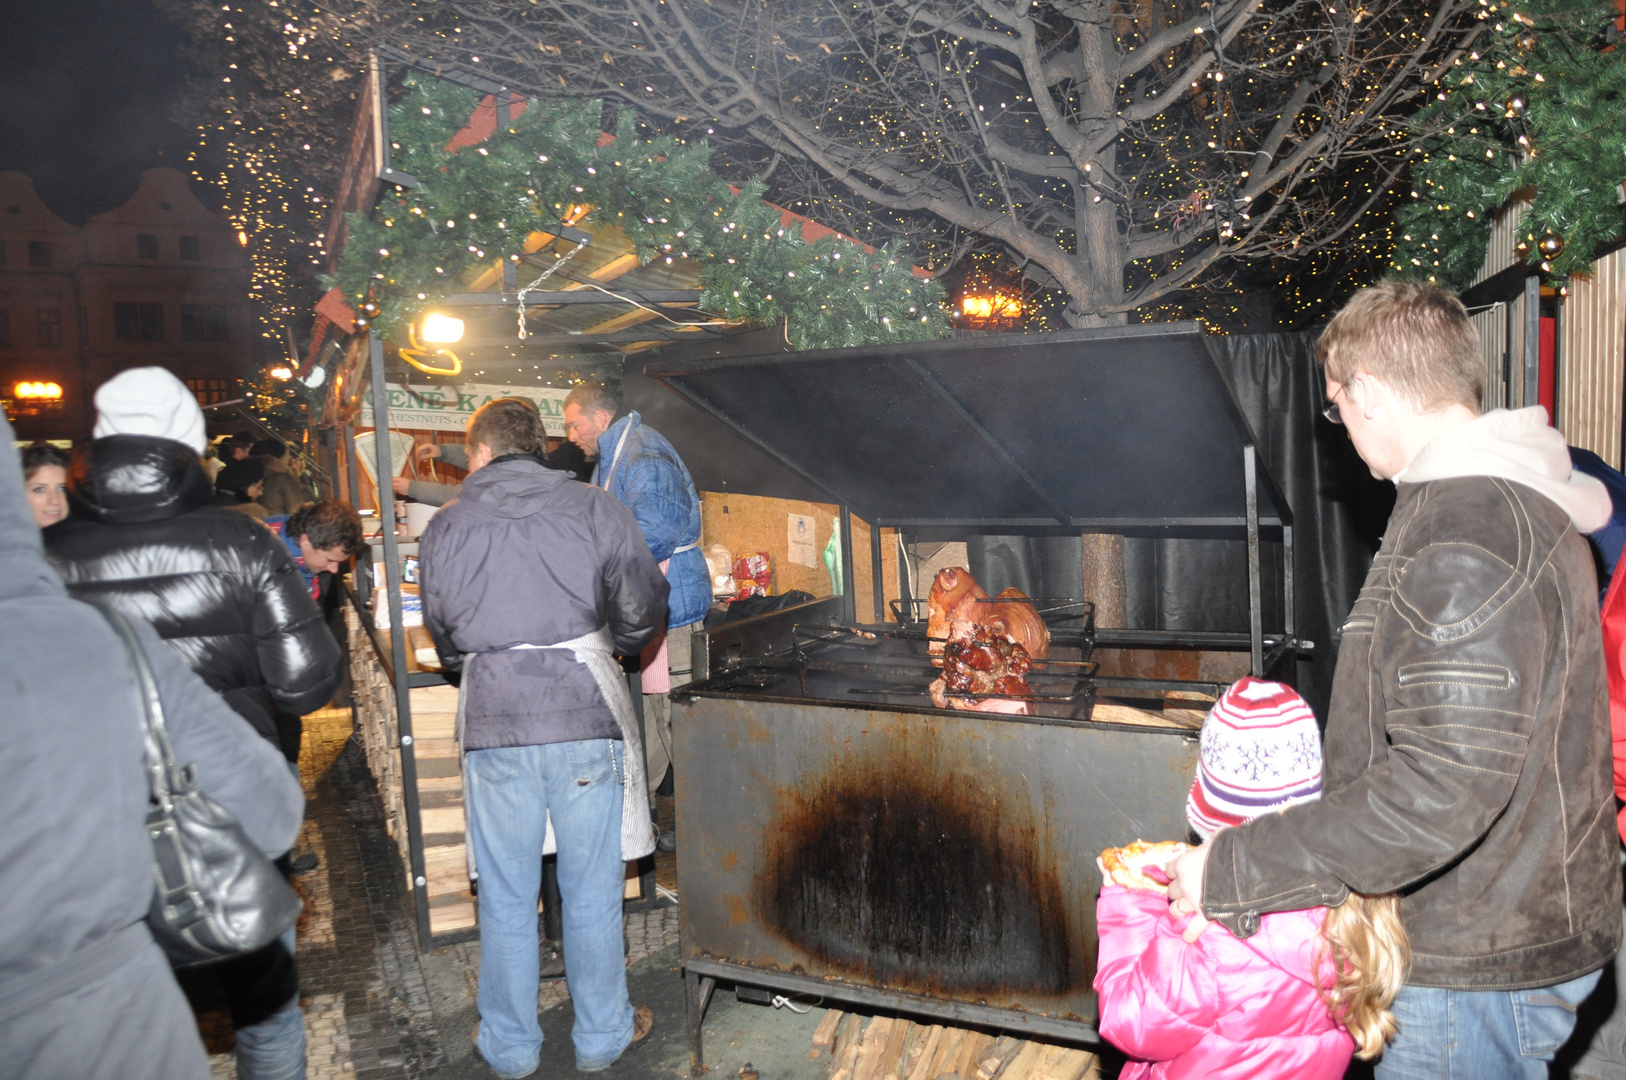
(892, 1048)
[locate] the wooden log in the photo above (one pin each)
(894, 1049)
(948, 1052)
(976, 1044)
(825, 1033)
(1071, 1064)
(996, 1056)
(1020, 1065)
(1046, 1065)
(844, 1048)
(876, 1037)
(914, 1034)
(926, 1052)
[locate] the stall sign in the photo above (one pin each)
(450, 407)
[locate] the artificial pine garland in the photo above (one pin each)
(1536, 106)
(479, 204)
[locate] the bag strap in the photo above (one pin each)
(163, 775)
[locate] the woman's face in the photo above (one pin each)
(255, 490)
(48, 494)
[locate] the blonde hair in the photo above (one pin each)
(1369, 953)
(1416, 337)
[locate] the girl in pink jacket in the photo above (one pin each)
(1284, 1002)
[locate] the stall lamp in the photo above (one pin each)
(438, 329)
(429, 338)
(282, 373)
(37, 391)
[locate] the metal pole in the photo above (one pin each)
(1532, 341)
(398, 661)
(849, 607)
(364, 574)
(877, 571)
(906, 588)
(1558, 355)
(1289, 601)
(1256, 629)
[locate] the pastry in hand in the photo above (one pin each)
(1140, 865)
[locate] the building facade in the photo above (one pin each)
(160, 281)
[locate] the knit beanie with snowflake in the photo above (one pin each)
(1260, 753)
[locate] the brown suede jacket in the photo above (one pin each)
(1467, 760)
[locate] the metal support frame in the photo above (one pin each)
(1532, 341)
(906, 586)
(877, 573)
(697, 990)
(1256, 625)
(849, 592)
(364, 574)
(700, 977)
(398, 664)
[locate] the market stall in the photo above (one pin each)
(844, 834)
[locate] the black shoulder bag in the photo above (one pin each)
(216, 895)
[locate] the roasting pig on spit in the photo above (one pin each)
(984, 646)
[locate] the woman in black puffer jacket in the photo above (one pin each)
(218, 587)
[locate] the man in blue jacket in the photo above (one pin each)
(638, 466)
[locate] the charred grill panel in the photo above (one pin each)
(844, 840)
(908, 883)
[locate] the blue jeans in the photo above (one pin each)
(1481, 1034)
(274, 1048)
(508, 793)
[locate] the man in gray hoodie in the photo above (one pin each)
(1467, 759)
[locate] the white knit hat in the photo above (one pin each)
(1260, 752)
(149, 401)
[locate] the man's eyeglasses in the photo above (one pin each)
(1330, 411)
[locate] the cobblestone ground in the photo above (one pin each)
(374, 1006)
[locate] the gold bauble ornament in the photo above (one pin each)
(370, 308)
(1551, 245)
(361, 322)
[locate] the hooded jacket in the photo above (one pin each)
(75, 861)
(283, 492)
(528, 556)
(1467, 758)
(1218, 1008)
(217, 586)
(638, 466)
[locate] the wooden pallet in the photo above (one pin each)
(892, 1048)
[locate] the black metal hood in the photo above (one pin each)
(1119, 429)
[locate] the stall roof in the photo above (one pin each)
(1120, 428)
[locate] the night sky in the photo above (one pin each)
(87, 89)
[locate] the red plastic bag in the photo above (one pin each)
(753, 575)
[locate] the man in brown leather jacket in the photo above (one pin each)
(1467, 746)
